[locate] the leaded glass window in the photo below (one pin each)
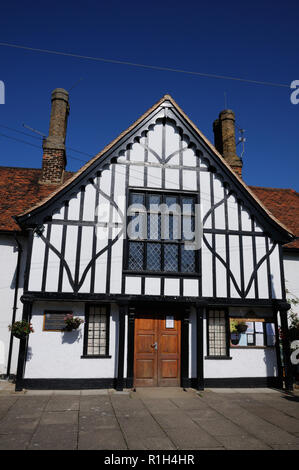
(135, 262)
(159, 225)
(97, 331)
(217, 333)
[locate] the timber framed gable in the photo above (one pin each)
(78, 249)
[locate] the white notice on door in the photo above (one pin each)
(169, 321)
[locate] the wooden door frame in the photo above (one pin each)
(181, 308)
(159, 359)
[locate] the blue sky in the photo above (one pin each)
(252, 40)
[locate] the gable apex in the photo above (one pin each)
(159, 111)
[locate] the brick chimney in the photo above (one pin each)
(54, 156)
(225, 139)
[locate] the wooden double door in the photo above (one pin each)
(157, 350)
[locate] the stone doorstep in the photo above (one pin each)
(6, 386)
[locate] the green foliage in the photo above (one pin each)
(233, 326)
(71, 322)
(21, 329)
(293, 318)
(241, 327)
(237, 326)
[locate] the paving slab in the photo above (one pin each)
(277, 437)
(18, 425)
(273, 416)
(54, 437)
(6, 403)
(97, 421)
(139, 427)
(242, 442)
(195, 440)
(285, 447)
(128, 407)
(96, 404)
(219, 426)
(14, 441)
(63, 403)
(59, 417)
(28, 407)
(111, 439)
(189, 403)
(203, 414)
(150, 443)
(261, 428)
(162, 404)
(286, 404)
(7, 399)
(173, 420)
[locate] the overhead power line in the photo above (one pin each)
(145, 66)
(38, 146)
(38, 138)
(121, 171)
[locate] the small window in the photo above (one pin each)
(217, 333)
(54, 320)
(96, 341)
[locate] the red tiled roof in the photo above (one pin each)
(20, 190)
(284, 205)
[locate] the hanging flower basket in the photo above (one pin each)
(71, 322)
(241, 327)
(21, 329)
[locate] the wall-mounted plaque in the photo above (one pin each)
(54, 320)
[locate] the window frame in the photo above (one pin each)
(254, 320)
(179, 243)
(86, 326)
(227, 334)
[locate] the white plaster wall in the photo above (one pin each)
(8, 264)
(56, 354)
(291, 274)
(244, 363)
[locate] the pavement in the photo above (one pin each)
(149, 419)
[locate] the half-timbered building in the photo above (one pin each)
(163, 251)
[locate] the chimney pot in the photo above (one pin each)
(225, 139)
(54, 156)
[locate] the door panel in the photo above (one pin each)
(169, 353)
(145, 358)
(157, 351)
